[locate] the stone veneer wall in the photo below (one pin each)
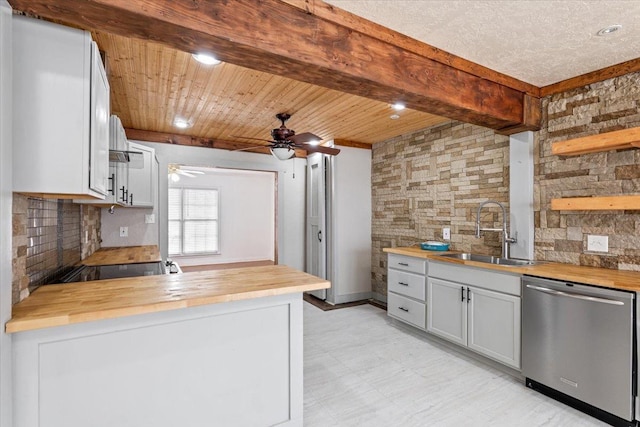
(562, 235)
(437, 177)
(432, 179)
(49, 236)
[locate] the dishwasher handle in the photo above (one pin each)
(574, 295)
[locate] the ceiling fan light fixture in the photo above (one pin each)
(174, 177)
(206, 59)
(283, 153)
(608, 30)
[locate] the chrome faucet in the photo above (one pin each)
(506, 240)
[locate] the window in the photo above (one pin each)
(193, 221)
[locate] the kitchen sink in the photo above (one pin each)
(488, 259)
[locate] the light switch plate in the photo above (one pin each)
(124, 231)
(149, 218)
(446, 233)
(597, 243)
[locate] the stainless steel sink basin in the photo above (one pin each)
(488, 259)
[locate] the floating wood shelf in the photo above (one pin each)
(616, 140)
(596, 203)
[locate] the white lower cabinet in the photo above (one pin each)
(406, 285)
(485, 321)
(448, 316)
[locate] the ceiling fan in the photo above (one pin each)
(176, 170)
(285, 141)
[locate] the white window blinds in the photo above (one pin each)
(193, 221)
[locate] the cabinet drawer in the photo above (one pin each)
(409, 284)
(408, 263)
(483, 278)
(406, 310)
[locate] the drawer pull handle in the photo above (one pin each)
(404, 309)
(403, 284)
(404, 264)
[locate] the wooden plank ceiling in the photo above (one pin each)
(334, 72)
(152, 84)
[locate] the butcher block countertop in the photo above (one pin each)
(123, 255)
(57, 305)
(617, 279)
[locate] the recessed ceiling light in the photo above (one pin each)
(394, 117)
(181, 123)
(608, 30)
(398, 106)
(205, 59)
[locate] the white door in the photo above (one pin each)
(447, 310)
(316, 220)
(494, 325)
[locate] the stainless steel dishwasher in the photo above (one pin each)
(578, 346)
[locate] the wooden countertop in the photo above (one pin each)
(123, 255)
(617, 279)
(57, 305)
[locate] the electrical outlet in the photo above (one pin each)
(446, 233)
(597, 243)
(150, 219)
(124, 231)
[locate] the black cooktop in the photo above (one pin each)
(86, 273)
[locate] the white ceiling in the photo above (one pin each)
(537, 41)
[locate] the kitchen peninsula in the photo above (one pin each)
(204, 348)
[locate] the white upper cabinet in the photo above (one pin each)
(61, 112)
(118, 178)
(143, 176)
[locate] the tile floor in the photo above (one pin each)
(362, 369)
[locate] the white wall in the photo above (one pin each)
(290, 192)
(5, 212)
(247, 214)
(521, 194)
(351, 246)
(139, 233)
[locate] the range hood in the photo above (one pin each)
(134, 158)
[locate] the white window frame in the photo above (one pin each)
(182, 221)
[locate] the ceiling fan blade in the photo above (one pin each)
(193, 172)
(318, 149)
(185, 173)
(304, 138)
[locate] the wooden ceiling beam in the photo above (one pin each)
(353, 144)
(280, 38)
(342, 17)
(194, 141)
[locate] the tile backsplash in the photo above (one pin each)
(49, 236)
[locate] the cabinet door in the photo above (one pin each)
(446, 310)
(142, 180)
(494, 325)
(99, 143)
